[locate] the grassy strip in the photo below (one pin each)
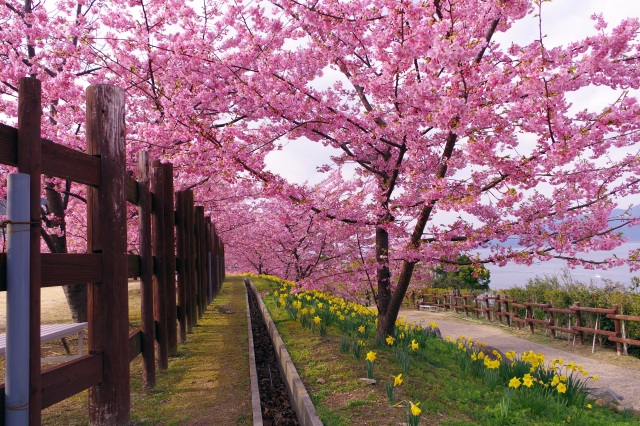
(206, 383)
(447, 394)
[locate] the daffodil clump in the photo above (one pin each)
(532, 383)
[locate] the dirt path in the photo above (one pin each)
(622, 374)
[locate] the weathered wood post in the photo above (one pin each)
(508, 312)
(182, 262)
(578, 321)
(487, 308)
(170, 258)
(201, 295)
(159, 278)
(192, 283)
(108, 309)
(552, 321)
(216, 263)
(617, 328)
(29, 162)
(529, 314)
(202, 240)
(146, 271)
(209, 255)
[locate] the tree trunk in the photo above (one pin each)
(76, 295)
(383, 298)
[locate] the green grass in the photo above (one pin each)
(446, 395)
(206, 383)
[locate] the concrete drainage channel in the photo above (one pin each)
(298, 397)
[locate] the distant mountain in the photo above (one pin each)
(630, 232)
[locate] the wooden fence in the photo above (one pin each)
(527, 314)
(106, 267)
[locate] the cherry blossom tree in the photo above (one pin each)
(458, 140)
(294, 242)
(177, 106)
(465, 140)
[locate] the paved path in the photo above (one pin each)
(625, 381)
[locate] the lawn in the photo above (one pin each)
(452, 386)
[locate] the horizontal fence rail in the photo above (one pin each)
(521, 314)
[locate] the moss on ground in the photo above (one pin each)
(206, 383)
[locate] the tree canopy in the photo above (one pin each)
(458, 139)
(465, 276)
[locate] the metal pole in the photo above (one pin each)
(17, 354)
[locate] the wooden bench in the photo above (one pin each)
(51, 332)
(430, 308)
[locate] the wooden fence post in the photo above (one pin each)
(192, 312)
(169, 258)
(616, 329)
(200, 260)
(209, 255)
(475, 299)
(552, 321)
(146, 271)
(529, 315)
(579, 322)
(182, 263)
(508, 312)
(202, 239)
(160, 276)
(488, 308)
(29, 162)
(109, 402)
(216, 263)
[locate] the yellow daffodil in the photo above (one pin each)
(562, 388)
(555, 380)
(514, 383)
(397, 380)
(527, 380)
(414, 345)
(390, 340)
(511, 355)
(361, 329)
(316, 319)
(414, 409)
(595, 378)
(371, 356)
